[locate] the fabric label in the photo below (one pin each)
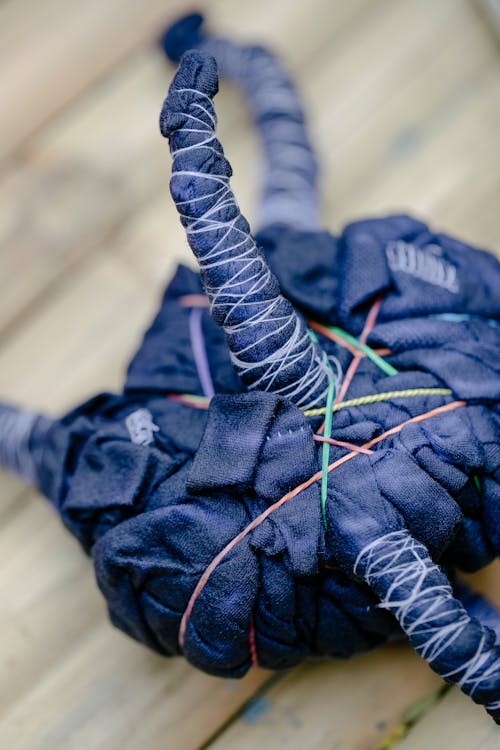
(425, 263)
(141, 427)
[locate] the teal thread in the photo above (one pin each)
(375, 358)
(325, 458)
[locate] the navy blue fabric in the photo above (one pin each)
(154, 489)
(154, 516)
(269, 343)
(289, 191)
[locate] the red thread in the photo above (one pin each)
(342, 444)
(187, 401)
(252, 643)
(202, 582)
(371, 319)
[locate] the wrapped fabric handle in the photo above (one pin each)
(289, 192)
(270, 345)
(418, 593)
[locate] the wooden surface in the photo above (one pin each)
(404, 103)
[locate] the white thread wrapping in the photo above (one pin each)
(421, 598)
(256, 314)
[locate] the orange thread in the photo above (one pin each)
(370, 321)
(289, 496)
(329, 334)
(193, 300)
(342, 444)
(189, 400)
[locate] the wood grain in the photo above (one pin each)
(456, 722)
(404, 106)
(333, 705)
(102, 161)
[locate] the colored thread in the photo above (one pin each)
(377, 397)
(370, 321)
(342, 444)
(369, 325)
(252, 643)
(368, 351)
(189, 399)
(339, 336)
(332, 336)
(268, 341)
(201, 402)
(289, 496)
(193, 300)
(325, 451)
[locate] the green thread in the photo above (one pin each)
(376, 397)
(325, 457)
(375, 358)
(477, 482)
(313, 336)
(194, 398)
(411, 716)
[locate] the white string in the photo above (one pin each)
(245, 297)
(405, 563)
(493, 706)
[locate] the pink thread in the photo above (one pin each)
(342, 444)
(193, 300)
(370, 321)
(202, 582)
(193, 403)
(252, 643)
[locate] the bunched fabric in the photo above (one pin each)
(306, 448)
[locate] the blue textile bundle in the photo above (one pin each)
(306, 448)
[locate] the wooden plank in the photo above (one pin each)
(103, 159)
(68, 678)
(432, 174)
(107, 692)
(341, 704)
(71, 681)
(491, 12)
(487, 581)
(54, 50)
(380, 131)
(456, 722)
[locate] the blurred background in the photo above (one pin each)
(403, 99)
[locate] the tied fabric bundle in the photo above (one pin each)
(306, 448)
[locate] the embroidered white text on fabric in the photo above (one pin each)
(424, 263)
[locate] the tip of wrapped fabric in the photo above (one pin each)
(197, 73)
(22, 436)
(181, 36)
